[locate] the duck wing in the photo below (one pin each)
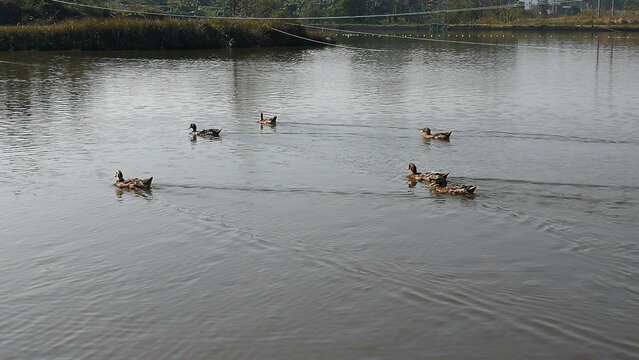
(445, 135)
(147, 182)
(470, 189)
(210, 132)
(433, 176)
(136, 183)
(463, 190)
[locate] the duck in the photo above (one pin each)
(441, 186)
(134, 183)
(438, 136)
(267, 121)
(205, 132)
(430, 176)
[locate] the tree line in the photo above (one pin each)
(28, 11)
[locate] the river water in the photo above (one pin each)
(306, 240)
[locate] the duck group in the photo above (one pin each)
(430, 176)
(437, 180)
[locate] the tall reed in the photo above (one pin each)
(145, 34)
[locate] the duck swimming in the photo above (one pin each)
(205, 132)
(438, 136)
(430, 176)
(441, 186)
(134, 183)
(268, 121)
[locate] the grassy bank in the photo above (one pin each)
(544, 27)
(521, 21)
(144, 34)
(589, 21)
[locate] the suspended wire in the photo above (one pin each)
(398, 36)
(324, 43)
(434, 40)
(290, 18)
(14, 63)
(431, 39)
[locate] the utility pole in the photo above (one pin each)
(612, 8)
(598, 8)
(233, 7)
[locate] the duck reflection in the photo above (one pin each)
(146, 193)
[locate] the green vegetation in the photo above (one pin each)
(143, 34)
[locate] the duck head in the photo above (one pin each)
(193, 127)
(412, 168)
(425, 131)
(118, 174)
(441, 182)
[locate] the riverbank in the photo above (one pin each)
(489, 27)
(145, 34)
(628, 22)
(625, 22)
(543, 27)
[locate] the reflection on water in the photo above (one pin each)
(309, 238)
(145, 193)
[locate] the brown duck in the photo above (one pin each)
(430, 176)
(134, 183)
(267, 121)
(441, 186)
(438, 136)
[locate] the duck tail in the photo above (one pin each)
(448, 133)
(148, 181)
(445, 175)
(471, 189)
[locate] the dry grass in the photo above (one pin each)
(627, 19)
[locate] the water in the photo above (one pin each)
(306, 240)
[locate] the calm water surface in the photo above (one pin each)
(306, 240)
